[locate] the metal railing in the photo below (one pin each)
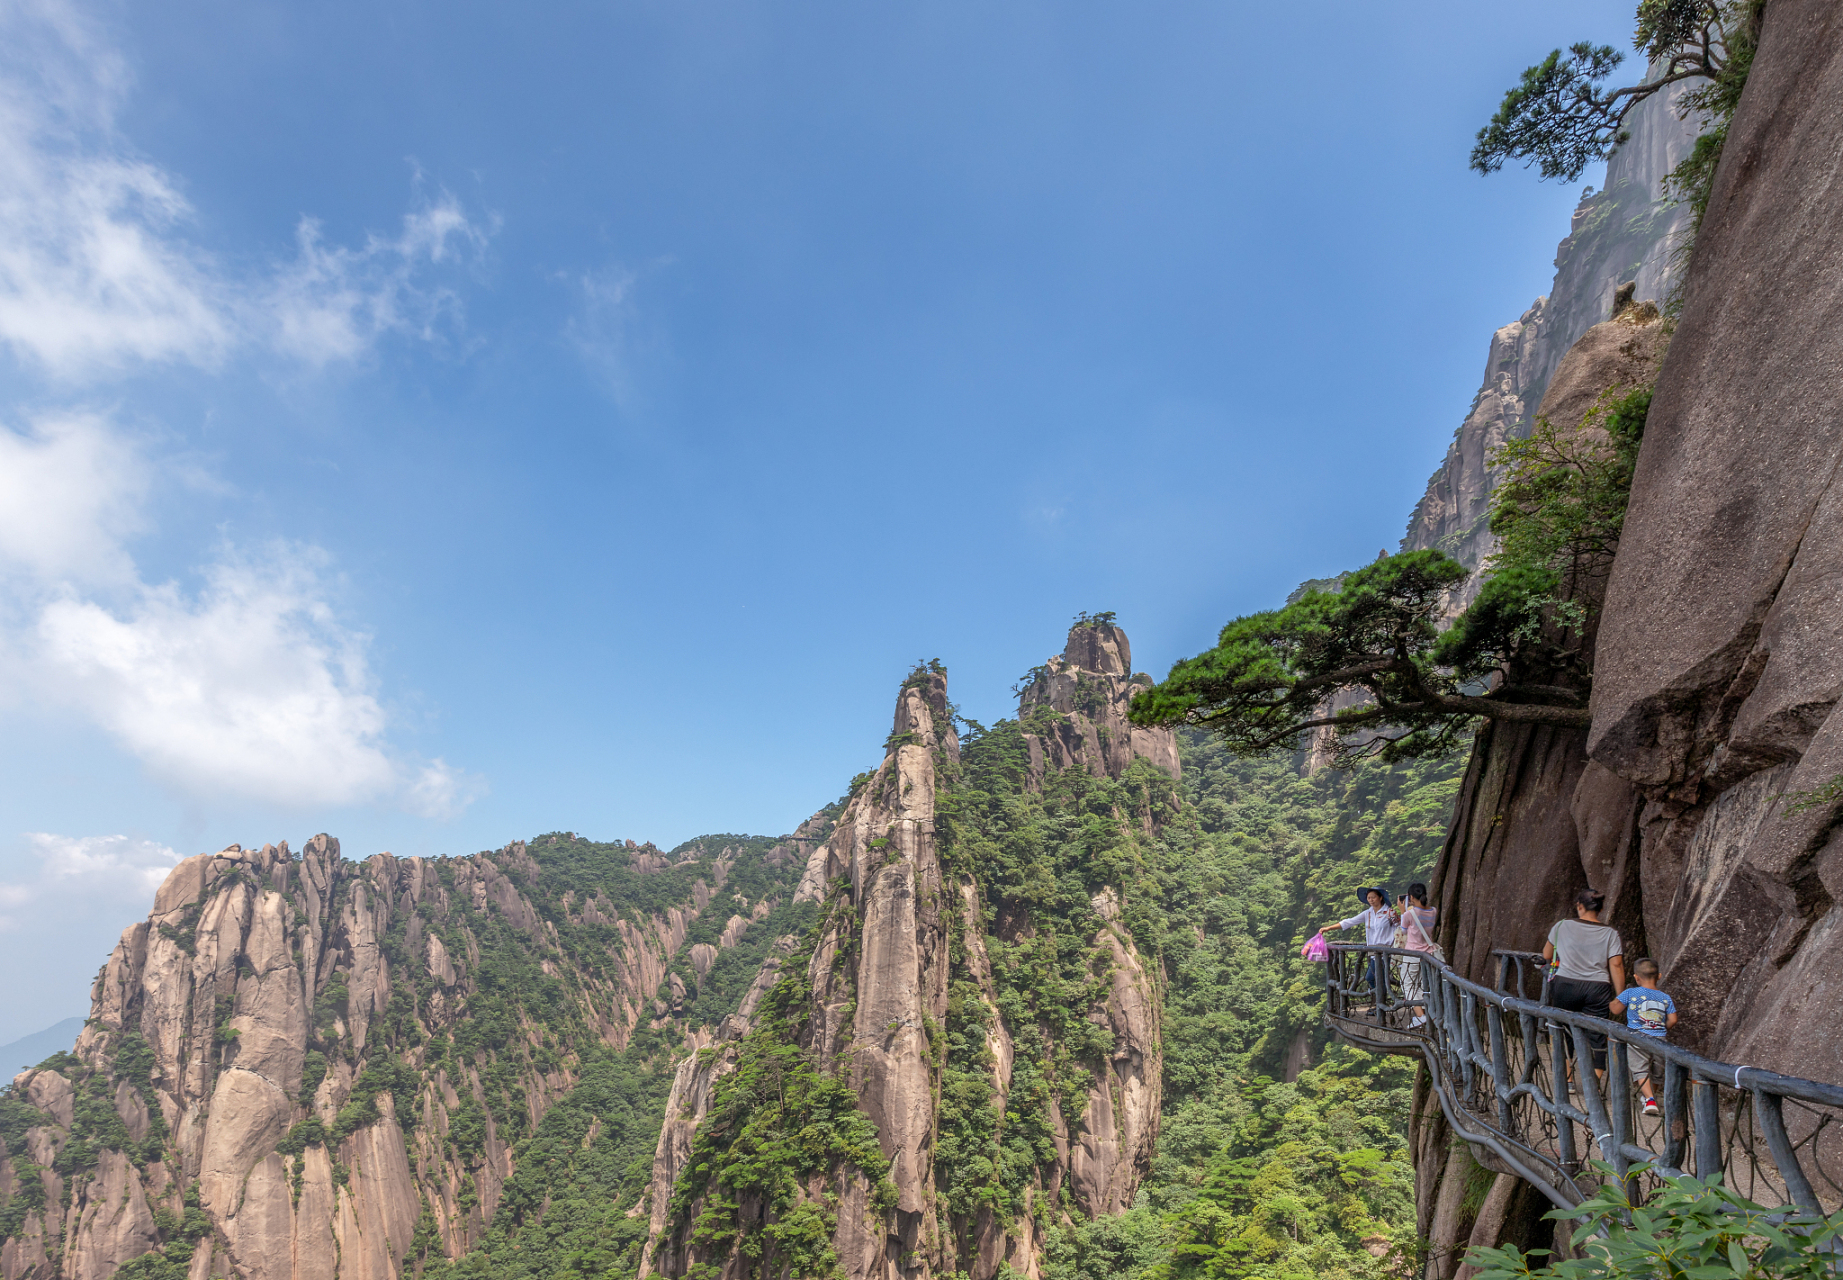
(1507, 1071)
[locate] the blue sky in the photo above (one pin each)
(440, 424)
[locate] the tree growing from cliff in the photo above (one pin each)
(1523, 650)
(1270, 677)
(1562, 116)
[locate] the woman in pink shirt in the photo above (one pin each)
(1417, 920)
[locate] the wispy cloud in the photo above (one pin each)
(607, 333)
(78, 871)
(333, 303)
(249, 684)
(98, 275)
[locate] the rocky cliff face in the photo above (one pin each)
(1720, 664)
(1535, 821)
(1089, 688)
(305, 1067)
(1625, 232)
(898, 997)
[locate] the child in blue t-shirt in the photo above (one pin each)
(1650, 1012)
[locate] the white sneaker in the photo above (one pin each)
(1419, 1022)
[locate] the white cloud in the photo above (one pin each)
(251, 687)
(90, 274)
(96, 275)
(77, 870)
(333, 303)
(71, 489)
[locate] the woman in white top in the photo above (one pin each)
(1378, 923)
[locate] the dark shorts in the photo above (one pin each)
(1584, 997)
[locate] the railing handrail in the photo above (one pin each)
(1462, 1059)
(1736, 1076)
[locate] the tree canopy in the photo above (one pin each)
(1562, 116)
(1522, 651)
(1271, 676)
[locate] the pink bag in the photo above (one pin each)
(1316, 949)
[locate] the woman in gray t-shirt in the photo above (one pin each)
(1589, 966)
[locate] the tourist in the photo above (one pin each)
(1378, 923)
(1417, 920)
(1589, 965)
(1649, 1012)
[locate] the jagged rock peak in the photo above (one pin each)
(1089, 687)
(237, 1035)
(922, 713)
(1099, 647)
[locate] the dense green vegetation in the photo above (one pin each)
(1692, 1229)
(1256, 1176)
(1270, 678)
(1219, 879)
(584, 1166)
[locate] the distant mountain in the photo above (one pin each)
(29, 1051)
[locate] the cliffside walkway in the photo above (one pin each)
(1492, 1055)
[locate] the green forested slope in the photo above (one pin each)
(1220, 878)
(1254, 1176)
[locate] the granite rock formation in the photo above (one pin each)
(1089, 688)
(1720, 662)
(1623, 233)
(1535, 821)
(900, 929)
(267, 1082)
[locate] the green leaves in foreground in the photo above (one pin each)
(1690, 1230)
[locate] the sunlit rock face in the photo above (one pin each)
(248, 1004)
(1090, 687)
(1625, 232)
(1720, 663)
(901, 930)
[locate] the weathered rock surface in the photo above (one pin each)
(254, 967)
(1720, 662)
(1089, 688)
(1623, 233)
(879, 978)
(1535, 821)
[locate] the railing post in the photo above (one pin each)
(1589, 1085)
(1468, 1044)
(1619, 1108)
(1500, 1066)
(1705, 1105)
(1558, 1094)
(1770, 1109)
(1675, 1095)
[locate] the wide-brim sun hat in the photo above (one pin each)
(1363, 895)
